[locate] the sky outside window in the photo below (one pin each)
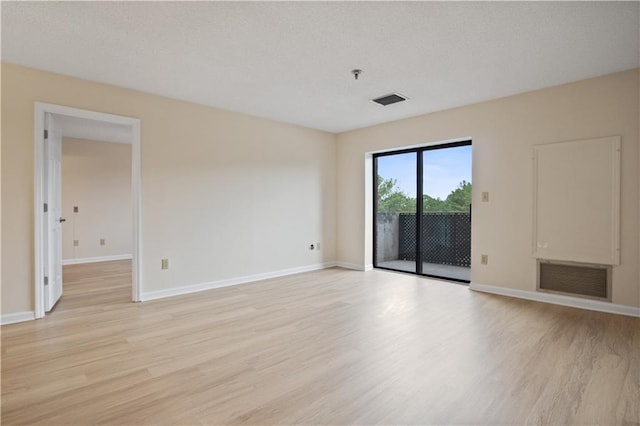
(443, 170)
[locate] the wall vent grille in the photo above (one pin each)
(590, 281)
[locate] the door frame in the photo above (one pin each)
(41, 109)
(52, 227)
(418, 150)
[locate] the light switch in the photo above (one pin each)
(485, 197)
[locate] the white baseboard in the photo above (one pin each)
(96, 259)
(558, 299)
(17, 317)
(354, 266)
(347, 265)
(176, 291)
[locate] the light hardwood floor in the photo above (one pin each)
(332, 347)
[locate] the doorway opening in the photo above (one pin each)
(422, 211)
(53, 124)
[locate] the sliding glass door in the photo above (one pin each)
(446, 212)
(396, 185)
(433, 237)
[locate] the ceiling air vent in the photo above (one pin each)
(389, 99)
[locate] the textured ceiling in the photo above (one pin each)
(291, 61)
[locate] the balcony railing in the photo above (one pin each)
(445, 237)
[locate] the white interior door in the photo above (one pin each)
(53, 216)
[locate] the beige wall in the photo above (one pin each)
(227, 195)
(503, 133)
(223, 194)
(1, 222)
(96, 177)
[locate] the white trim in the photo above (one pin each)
(38, 191)
(193, 288)
(354, 266)
(81, 260)
(136, 208)
(17, 317)
(136, 184)
(558, 299)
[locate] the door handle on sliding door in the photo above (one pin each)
(62, 219)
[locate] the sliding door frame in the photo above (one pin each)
(419, 205)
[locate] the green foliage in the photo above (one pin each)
(392, 200)
(459, 199)
(430, 204)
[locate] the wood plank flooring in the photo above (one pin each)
(326, 347)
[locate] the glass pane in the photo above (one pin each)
(446, 220)
(396, 212)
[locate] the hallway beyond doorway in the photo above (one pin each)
(95, 284)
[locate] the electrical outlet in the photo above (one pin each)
(165, 264)
(102, 241)
(76, 243)
(485, 197)
(75, 209)
(484, 259)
